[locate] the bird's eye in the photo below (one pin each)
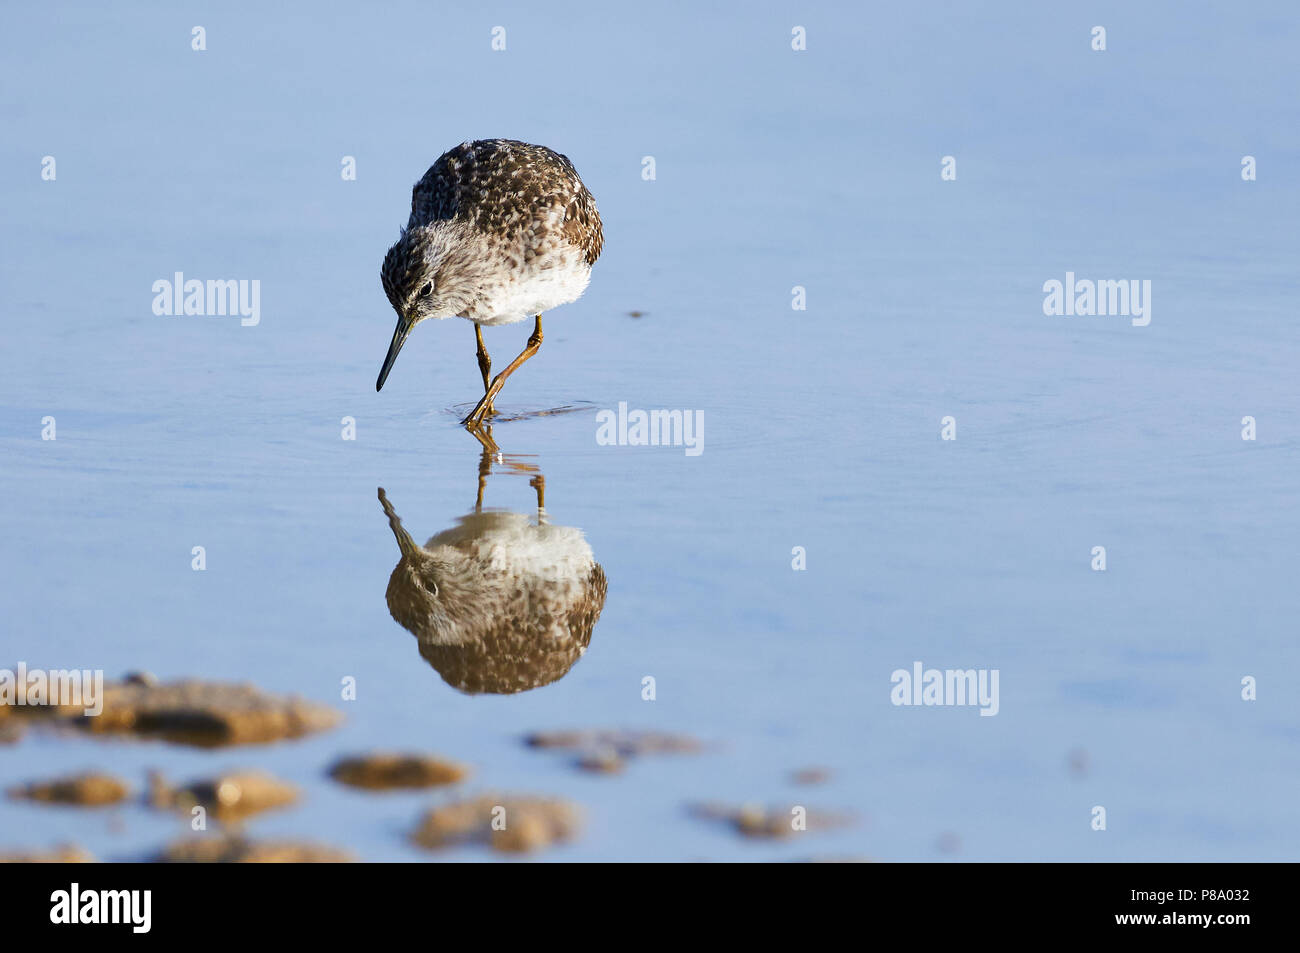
(427, 289)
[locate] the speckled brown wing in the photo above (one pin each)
(582, 223)
(521, 649)
(583, 615)
(536, 182)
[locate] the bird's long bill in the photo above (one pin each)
(404, 541)
(399, 338)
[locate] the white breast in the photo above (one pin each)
(511, 544)
(549, 281)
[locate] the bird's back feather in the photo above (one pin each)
(513, 191)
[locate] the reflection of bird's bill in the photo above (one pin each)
(404, 541)
(399, 338)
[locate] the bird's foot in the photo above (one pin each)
(481, 413)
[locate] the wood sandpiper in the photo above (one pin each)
(500, 231)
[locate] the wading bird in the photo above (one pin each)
(499, 231)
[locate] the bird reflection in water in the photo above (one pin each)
(500, 603)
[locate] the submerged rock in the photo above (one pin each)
(227, 797)
(813, 775)
(948, 842)
(753, 820)
(206, 714)
(90, 790)
(626, 744)
(506, 823)
(238, 850)
(63, 854)
(834, 859)
(383, 770)
(188, 711)
(607, 752)
(602, 761)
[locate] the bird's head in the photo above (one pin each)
(431, 592)
(432, 271)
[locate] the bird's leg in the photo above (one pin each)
(484, 366)
(490, 452)
(534, 342)
(484, 436)
(484, 469)
(538, 483)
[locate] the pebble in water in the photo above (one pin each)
(228, 797)
(206, 714)
(756, 820)
(89, 790)
(238, 850)
(506, 823)
(381, 770)
(607, 752)
(63, 854)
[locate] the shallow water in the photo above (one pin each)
(822, 427)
